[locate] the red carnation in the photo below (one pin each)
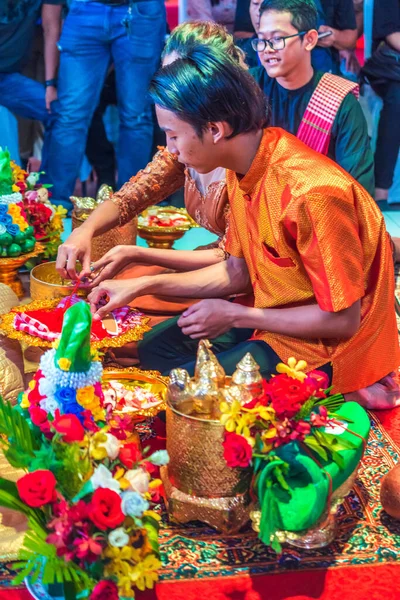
(287, 395)
(237, 450)
(37, 488)
(105, 509)
(69, 427)
(105, 590)
(129, 454)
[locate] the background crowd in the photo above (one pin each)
(76, 74)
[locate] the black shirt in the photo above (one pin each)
(338, 14)
(386, 19)
(17, 26)
(349, 145)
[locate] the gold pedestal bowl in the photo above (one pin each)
(9, 269)
(159, 236)
(47, 284)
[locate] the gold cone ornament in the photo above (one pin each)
(248, 376)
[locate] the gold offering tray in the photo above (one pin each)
(7, 327)
(167, 211)
(132, 377)
(158, 236)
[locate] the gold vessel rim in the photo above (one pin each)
(212, 422)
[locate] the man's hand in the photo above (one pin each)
(329, 40)
(116, 293)
(208, 319)
(76, 248)
(112, 263)
(51, 95)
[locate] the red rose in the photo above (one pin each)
(129, 454)
(34, 396)
(69, 426)
(237, 450)
(38, 416)
(105, 509)
(105, 590)
(37, 488)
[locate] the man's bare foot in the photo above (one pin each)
(383, 394)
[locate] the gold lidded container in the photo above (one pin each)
(198, 483)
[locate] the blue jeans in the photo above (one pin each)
(94, 36)
(26, 98)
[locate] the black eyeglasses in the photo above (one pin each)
(276, 43)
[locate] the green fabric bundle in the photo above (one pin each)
(293, 487)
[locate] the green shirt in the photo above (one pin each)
(349, 145)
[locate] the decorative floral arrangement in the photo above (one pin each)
(291, 436)
(45, 218)
(27, 214)
(89, 487)
(87, 497)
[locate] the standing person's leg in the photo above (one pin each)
(388, 141)
(26, 98)
(137, 44)
(84, 59)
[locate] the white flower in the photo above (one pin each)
(159, 458)
(133, 504)
(138, 479)
(102, 478)
(112, 446)
(118, 538)
(46, 387)
(49, 404)
(32, 179)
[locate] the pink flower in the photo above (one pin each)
(319, 418)
(88, 548)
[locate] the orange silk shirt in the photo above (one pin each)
(311, 234)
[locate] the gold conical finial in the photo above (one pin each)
(207, 364)
(248, 374)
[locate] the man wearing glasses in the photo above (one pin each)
(320, 109)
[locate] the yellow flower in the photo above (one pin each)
(64, 364)
(15, 188)
(152, 514)
(97, 448)
(24, 401)
(144, 573)
(124, 553)
(85, 396)
(266, 413)
(18, 173)
(231, 414)
(243, 425)
(13, 209)
(125, 587)
(293, 368)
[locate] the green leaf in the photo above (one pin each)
(152, 528)
(314, 445)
